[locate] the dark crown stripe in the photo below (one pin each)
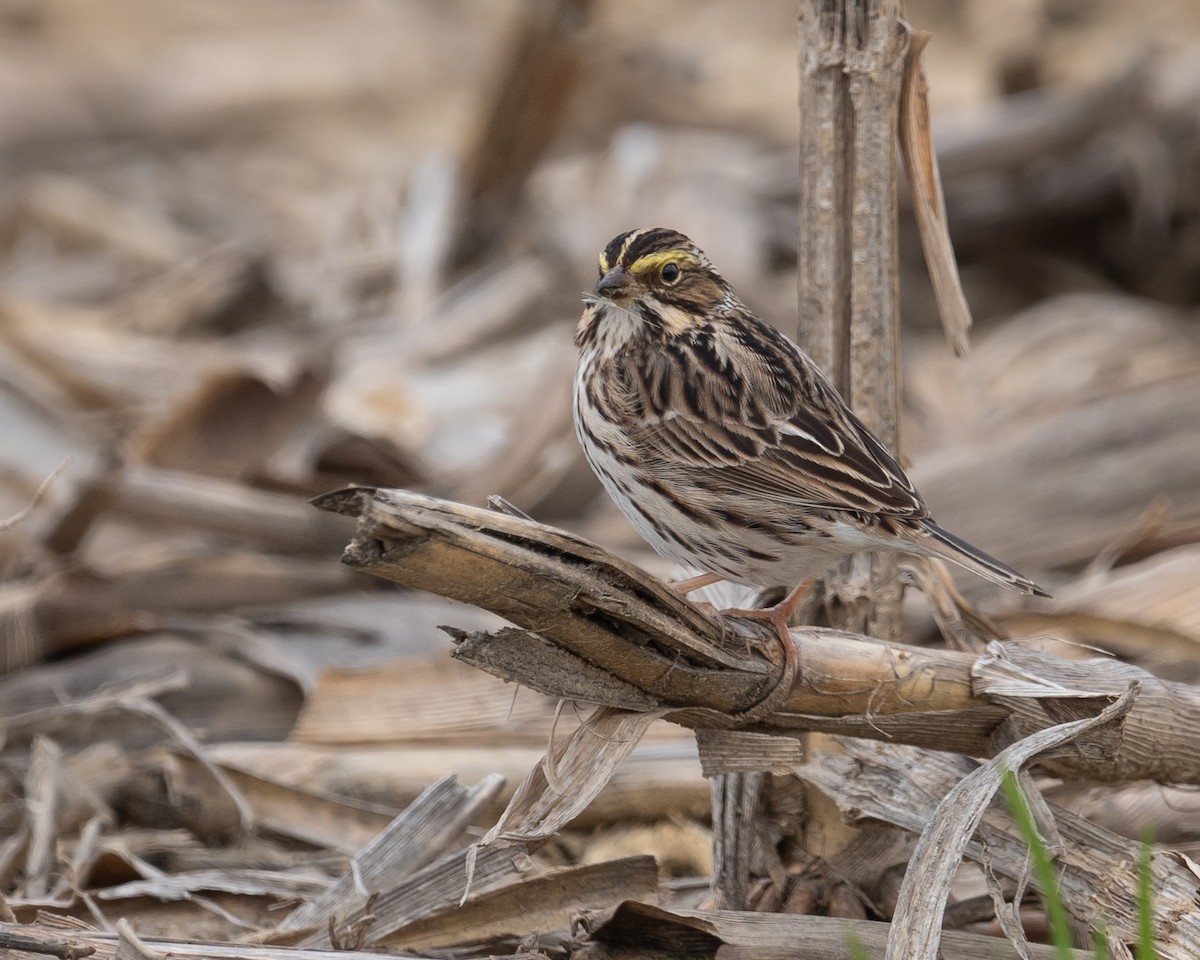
(653, 240)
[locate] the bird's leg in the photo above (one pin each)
(778, 615)
(684, 587)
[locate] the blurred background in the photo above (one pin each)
(254, 250)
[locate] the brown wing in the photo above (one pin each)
(743, 405)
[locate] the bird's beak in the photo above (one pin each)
(614, 284)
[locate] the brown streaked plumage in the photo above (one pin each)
(724, 445)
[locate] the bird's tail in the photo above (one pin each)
(939, 543)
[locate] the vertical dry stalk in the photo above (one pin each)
(852, 55)
(851, 61)
(736, 806)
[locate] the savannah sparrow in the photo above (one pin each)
(725, 446)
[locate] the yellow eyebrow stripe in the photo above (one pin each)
(653, 261)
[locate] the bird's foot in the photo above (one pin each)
(777, 616)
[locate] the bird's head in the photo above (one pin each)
(652, 282)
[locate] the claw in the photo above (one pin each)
(779, 615)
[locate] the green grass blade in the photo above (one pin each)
(857, 950)
(1145, 900)
(1060, 931)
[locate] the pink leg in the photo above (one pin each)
(684, 587)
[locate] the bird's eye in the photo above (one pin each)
(670, 272)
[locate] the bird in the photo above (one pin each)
(725, 445)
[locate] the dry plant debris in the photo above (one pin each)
(252, 253)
